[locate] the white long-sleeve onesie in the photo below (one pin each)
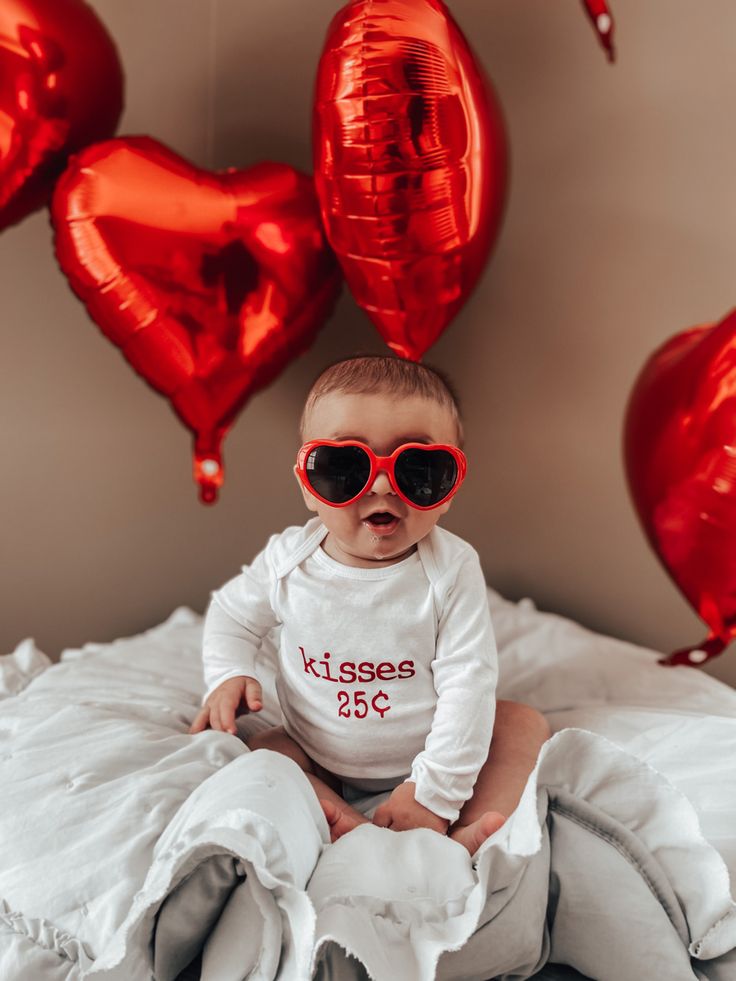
(381, 672)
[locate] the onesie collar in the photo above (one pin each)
(358, 572)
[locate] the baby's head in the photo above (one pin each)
(384, 403)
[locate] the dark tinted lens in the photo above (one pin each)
(426, 477)
(338, 473)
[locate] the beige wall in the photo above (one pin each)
(620, 231)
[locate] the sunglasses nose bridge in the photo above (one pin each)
(383, 470)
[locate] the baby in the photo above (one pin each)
(387, 662)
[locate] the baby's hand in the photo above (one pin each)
(402, 812)
(230, 699)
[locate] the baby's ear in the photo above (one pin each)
(309, 500)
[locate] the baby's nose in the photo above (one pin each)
(381, 485)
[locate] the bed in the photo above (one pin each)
(130, 850)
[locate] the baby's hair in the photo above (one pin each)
(362, 374)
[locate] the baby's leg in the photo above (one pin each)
(519, 733)
(340, 816)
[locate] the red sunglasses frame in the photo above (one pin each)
(378, 463)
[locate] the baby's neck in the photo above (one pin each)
(362, 561)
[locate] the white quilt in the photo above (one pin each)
(127, 846)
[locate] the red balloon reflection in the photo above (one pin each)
(410, 164)
(208, 283)
(680, 449)
(61, 87)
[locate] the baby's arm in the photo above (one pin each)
(465, 670)
(238, 617)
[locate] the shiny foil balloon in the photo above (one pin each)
(209, 283)
(680, 450)
(410, 164)
(61, 87)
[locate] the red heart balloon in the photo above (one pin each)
(208, 282)
(409, 163)
(680, 450)
(61, 87)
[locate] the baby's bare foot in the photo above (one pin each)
(341, 819)
(473, 835)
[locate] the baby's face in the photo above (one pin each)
(383, 423)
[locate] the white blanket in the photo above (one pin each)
(127, 845)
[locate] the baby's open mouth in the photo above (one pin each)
(381, 522)
(381, 518)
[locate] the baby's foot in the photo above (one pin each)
(473, 835)
(341, 819)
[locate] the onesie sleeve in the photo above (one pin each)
(239, 616)
(465, 672)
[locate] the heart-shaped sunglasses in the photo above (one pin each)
(339, 472)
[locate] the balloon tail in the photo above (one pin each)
(405, 350)
(209, 472)
(602, 21)
(711, 647)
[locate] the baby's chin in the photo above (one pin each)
(382, 550)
